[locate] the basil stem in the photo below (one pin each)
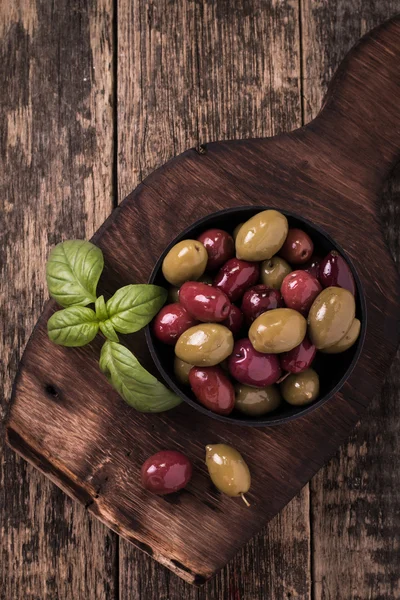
(100, 308)
(108, 330)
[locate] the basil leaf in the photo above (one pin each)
(136, 385)
(108, 330)
(73, 271)
(100, 308)
(73, 326)
(133, 306)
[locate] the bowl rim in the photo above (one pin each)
(267, 422)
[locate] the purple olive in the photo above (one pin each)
(299, 290)
(312, 266)
(171, 322)
(235, 320)
(298, 247)
(334, 271)
(212, 389)
(166, 472)
(250, 367)
(300, 358)
(235, 276)
(259, 299)
(219, 245)
(204, 302)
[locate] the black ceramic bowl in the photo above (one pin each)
(333, 369)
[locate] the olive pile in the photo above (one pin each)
(251, 310)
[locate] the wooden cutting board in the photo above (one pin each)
(66, 419)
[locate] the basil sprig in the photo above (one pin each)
(137, 386)
(73, 271)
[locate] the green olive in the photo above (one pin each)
(228, 471)
(236, 231)
(224, 365)
(181, 370)
(205, 278)
(347, 341)
(300, 388)
(331, 316)
(205, 345)
(186, 261)
(261, 236)
(255, 401)
(274, 271)
(277, 330)
(173, 294)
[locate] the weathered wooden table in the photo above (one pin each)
(94, 96)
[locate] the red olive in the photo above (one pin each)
(204, 302)
(235, 320)
(166, 472)
(334, 271)
(171, 322)
(212, 389)
(299, 290)
(259, 299)
(300, 358)
(298, 247)
(236, 276)
(312, 266)
(251, 367)
(219, 245)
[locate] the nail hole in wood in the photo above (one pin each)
(51, 390)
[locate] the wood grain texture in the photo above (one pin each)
(83, 442)
(275, 564)
(29, 567)
(354, 499)
(55, 174)
(188, 73)
(192, 72)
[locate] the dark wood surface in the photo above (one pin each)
(297, 569)
(56, 132)
(93, 445)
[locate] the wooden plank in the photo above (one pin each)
(56, 173)
(354, 499)
(275, 564)
(83, 442)
(189, 73)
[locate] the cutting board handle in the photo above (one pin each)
(361, 111)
